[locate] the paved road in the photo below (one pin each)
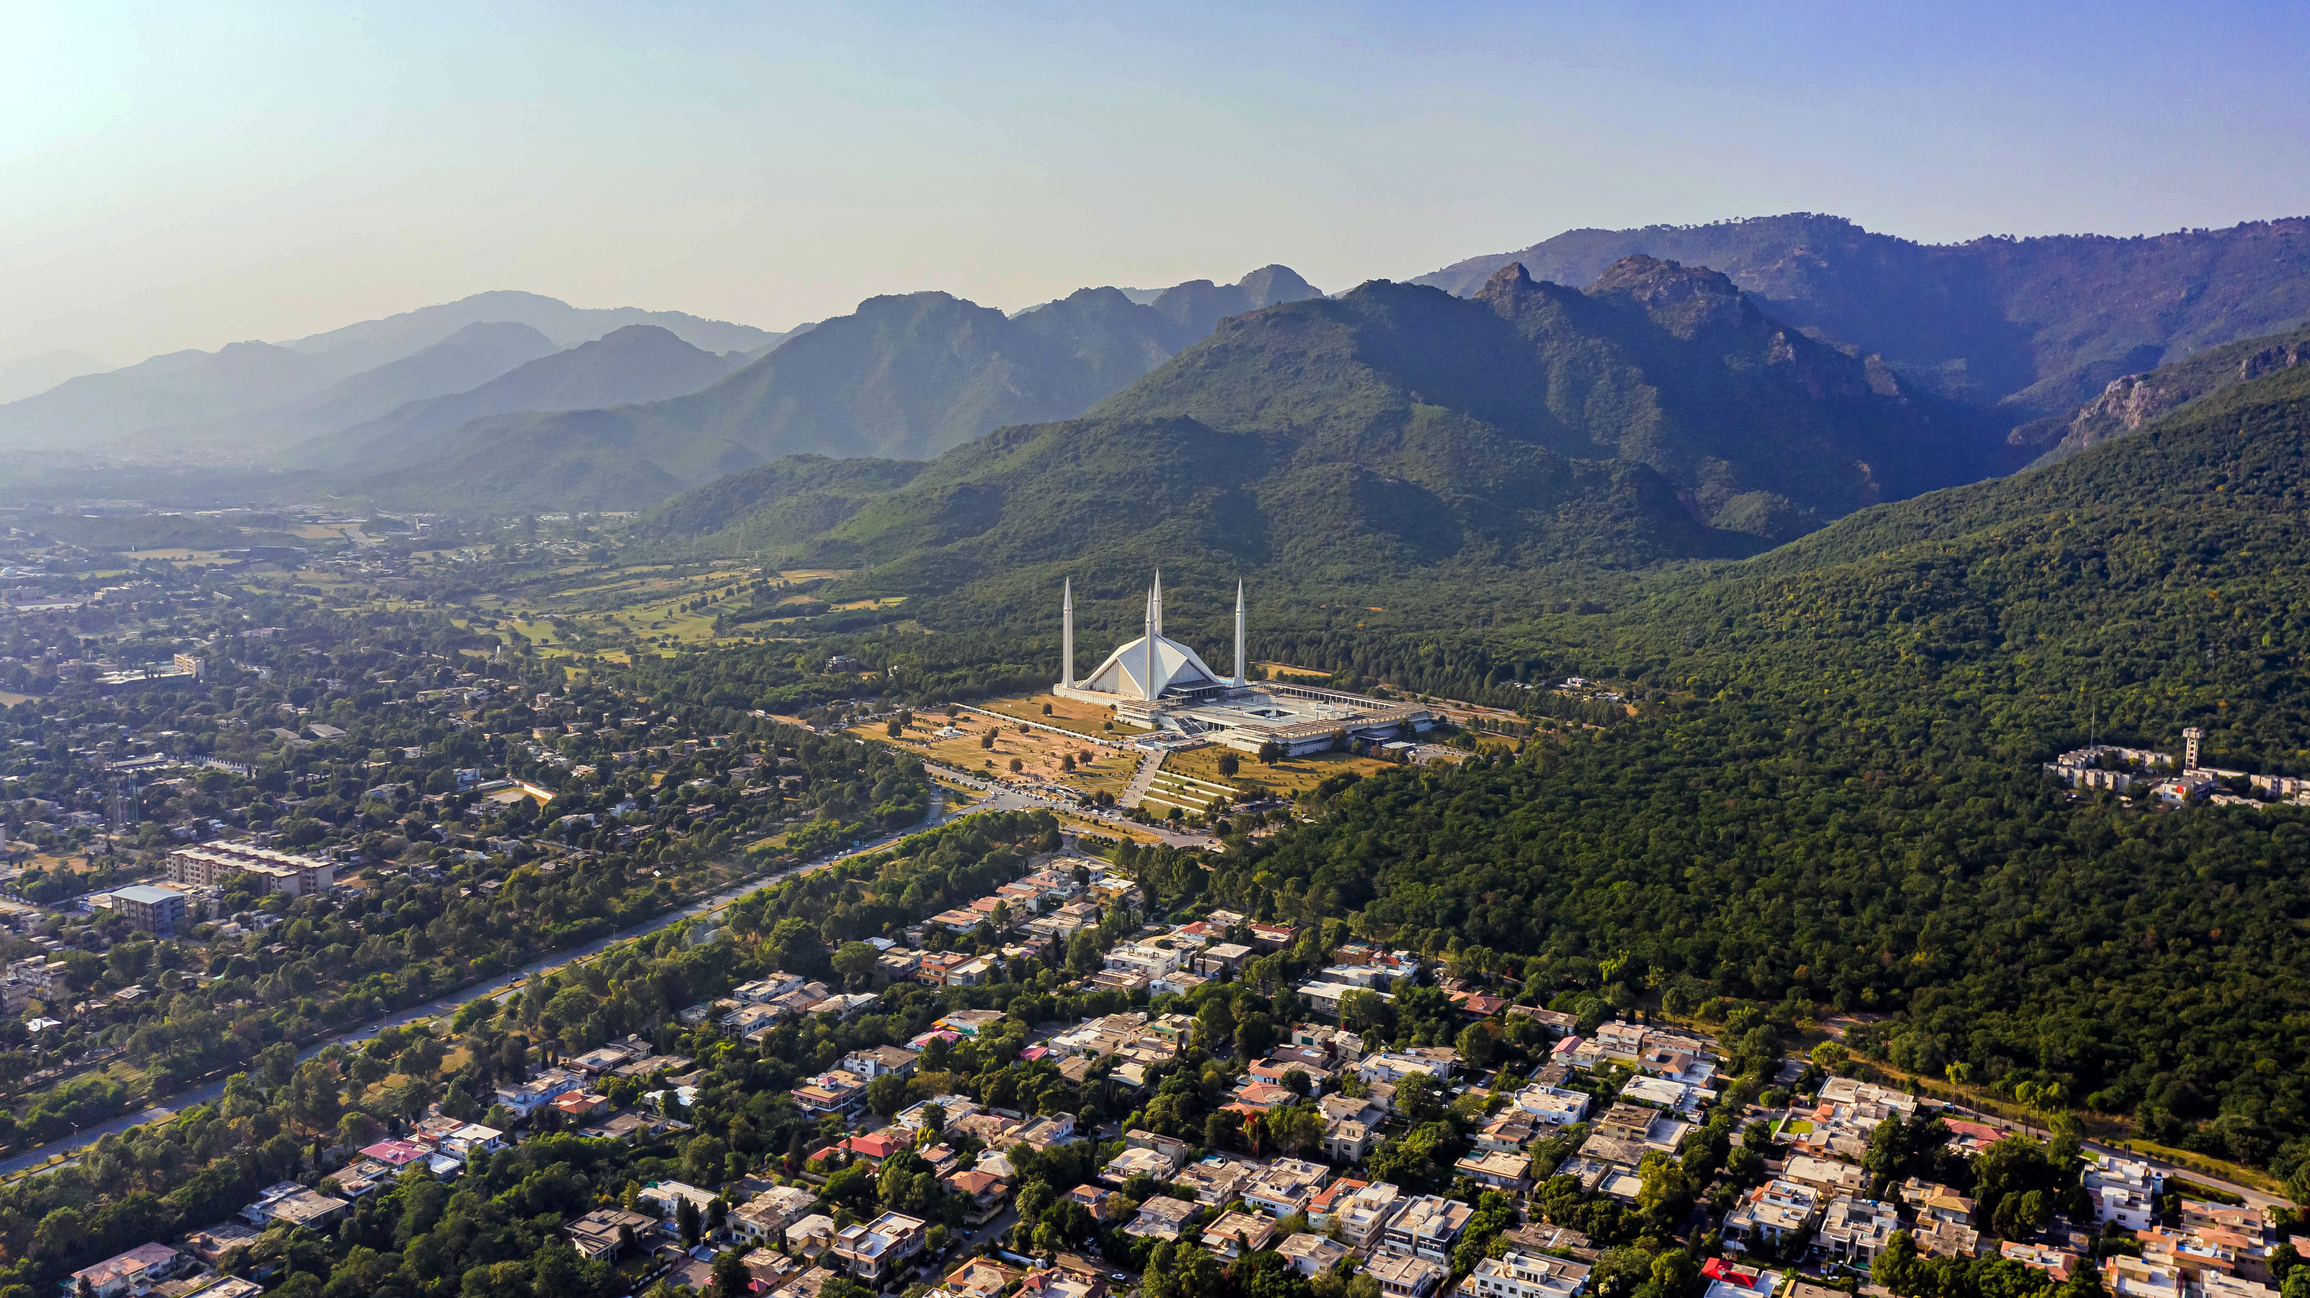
(2258, 1198)
(494, 988)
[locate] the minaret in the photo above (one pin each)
(1147, 644)
(1239, 681)
(1158, 601)
(1067, 635)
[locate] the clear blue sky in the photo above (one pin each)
(182, 176)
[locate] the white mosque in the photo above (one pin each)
(1156, 681)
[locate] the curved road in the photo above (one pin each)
(31, 1159)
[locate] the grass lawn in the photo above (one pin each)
(1286, 778)
(1067, 714)
(1097, 767)
(1285, 671)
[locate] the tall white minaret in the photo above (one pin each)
(1147, 645)
(1067, 635)
(1239, 681)
(1158, 601)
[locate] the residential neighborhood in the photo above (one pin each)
(1413, 1123)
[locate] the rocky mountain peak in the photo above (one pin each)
(1683, 299)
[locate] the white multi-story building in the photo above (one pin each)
(1365, 1213)
(1286, 1186)
(877, 1249)
(210, 864)
(1150, 961)
(1777, 1213)
(1517, 1274)
(2122, 1190)
(1554, 1105)
(1427, 1227)
(1854, 1231)
(1391, 1067)
(1405, 1276)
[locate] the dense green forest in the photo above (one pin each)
(1834, 795)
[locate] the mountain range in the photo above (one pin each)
(632, 364)
(247, 395)
(2032, 326)
(902, 377)
(1358, 441)
(1920, 366)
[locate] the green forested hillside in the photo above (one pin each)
(774, 509)
(1396, 438)
(2134, 400)
(1834, 793)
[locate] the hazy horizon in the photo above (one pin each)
(185, 181)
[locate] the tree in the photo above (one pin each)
(855, 962)
(731, 1278)
(1017, 766)
(886, 1095)
(1475, 1046)
(702, 1160)
(1363, 1011)
(1417, 1099)
(1675, 1272)
(1229, 764)
(1296, 1127)
(1270, 753)
(686, 1221)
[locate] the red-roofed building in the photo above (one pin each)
(985, 1190)
(1971, 1137)
(1479, 1005)
(397, 1153)
(579, 1105)
(1262, 1096)
(877, 1146)
(134, 1270)
(1320, 1210)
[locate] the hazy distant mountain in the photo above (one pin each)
(373, 342)
(1394, 431)
(633, 364)
(189, 387)
(472, 355)
(2040, 324)
(29, 375)
(903, 377)
(192, 390)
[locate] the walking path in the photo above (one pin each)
(1141, 782)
